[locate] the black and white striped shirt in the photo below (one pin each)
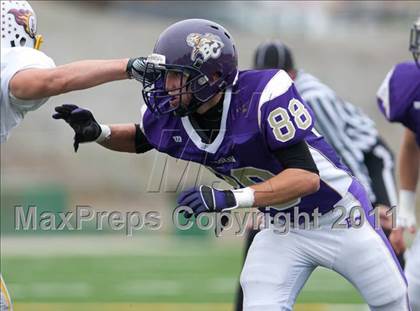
(343, 125)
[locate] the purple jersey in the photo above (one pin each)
(399, 96)
(262, 112)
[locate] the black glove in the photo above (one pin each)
(137, 69)
(85, 127)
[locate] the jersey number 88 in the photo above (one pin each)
(283, 128)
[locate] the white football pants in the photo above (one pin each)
(277, 266)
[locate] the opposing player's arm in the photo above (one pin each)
(37, 83)
(40, 83)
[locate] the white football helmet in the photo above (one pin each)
(18, 25)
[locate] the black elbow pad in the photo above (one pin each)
(141, 142)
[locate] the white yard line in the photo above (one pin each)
(109, 245)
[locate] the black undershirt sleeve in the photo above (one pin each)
(297, 156)
(141, 142)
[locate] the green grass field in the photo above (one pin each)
(145, 274)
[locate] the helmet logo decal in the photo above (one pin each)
(26, 19)
(204, 46)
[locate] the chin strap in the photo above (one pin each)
(38, 41)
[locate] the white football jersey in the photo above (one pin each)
(13, 109)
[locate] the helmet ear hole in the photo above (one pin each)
(22, 41)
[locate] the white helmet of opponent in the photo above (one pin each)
(18, 25)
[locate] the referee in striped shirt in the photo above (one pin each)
(351, 132)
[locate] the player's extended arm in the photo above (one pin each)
(40, 83)
(298, 179)
(126, 138)
(117, 137)
(409, 163)
(121, 138)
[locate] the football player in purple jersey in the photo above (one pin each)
(351, 133)
(252, 129)
(399, 100)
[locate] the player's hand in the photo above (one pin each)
(206, 199)
(85, 127)
(396, 238)
(137, 69)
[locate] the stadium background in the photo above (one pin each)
(348, 45)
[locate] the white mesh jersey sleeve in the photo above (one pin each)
(13, 109)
